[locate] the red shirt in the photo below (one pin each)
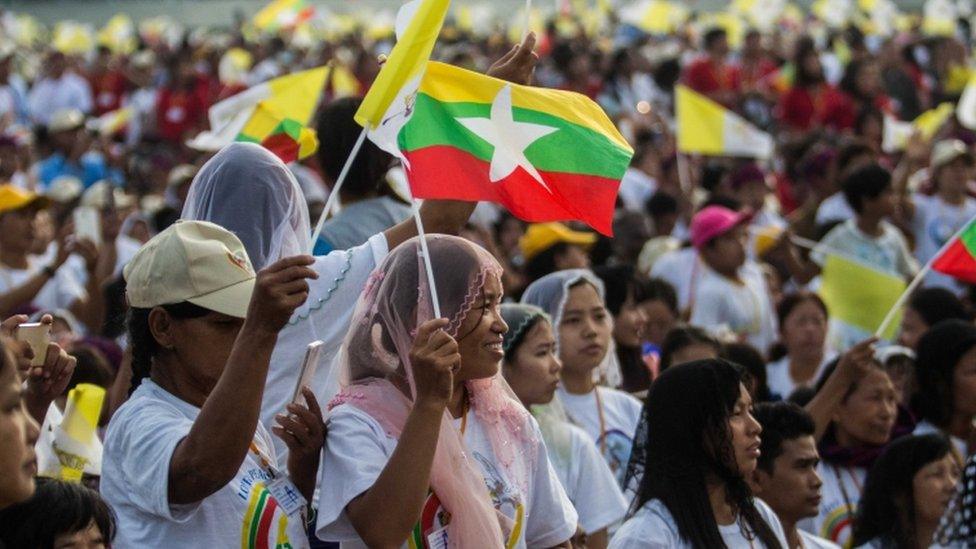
(177, 112)
(108, 89)
(756, 75)
(706, 78)
(823, 105)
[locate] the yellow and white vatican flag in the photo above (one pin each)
(707, 128)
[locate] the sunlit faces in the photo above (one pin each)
(481, 334)
(933, 487)
(88, 538)
(584, 329)
(628, 326)
(533, 372)
(792, 489)
(201, 345)
(745, 433)
(804, 330)
(964, 385)
(867, 415)
(18, 433)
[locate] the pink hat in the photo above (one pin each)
(714, 221)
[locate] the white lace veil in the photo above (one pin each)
(252, 193)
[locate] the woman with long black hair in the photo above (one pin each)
(696, 445)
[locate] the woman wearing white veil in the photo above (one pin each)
(574, 299)
(252, 193)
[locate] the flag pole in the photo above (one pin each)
(918, 279)
(425, 252)
(334, 194)
(683, 181)
(528, 19)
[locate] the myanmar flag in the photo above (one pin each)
(546, 155)
(958, 257)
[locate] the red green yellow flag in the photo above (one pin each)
(958, 258)
(546, 155)
(283, 14)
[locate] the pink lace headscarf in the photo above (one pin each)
(378, 377)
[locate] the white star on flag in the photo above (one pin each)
(509, 138)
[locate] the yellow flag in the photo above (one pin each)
(406, 61)
(860, 295)
(73, 439)
(705, 127)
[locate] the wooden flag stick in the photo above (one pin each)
(334, 194)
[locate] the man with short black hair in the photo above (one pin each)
(786, 476)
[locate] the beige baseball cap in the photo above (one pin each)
(948, 150)
(193, 261)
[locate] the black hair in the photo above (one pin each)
(887, 507)
(661, 203)
(544, 262)
(805, 47)
(658, 289)
(783, 310)
(781, 422)
(937, 304)
(848, 82)
(338, 131)
(939, 351)
(712, 36)
(850, 150)
(683, 441)
(141, 341)
(667, 74)
(753, 365)
(685, 335)
(57, 508)
(621, 283)
(712, 175)
(866, 182)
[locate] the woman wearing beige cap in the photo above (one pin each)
(186, 462)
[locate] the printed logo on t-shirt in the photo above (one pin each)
(837, 524)
(507, 500)
(618, 446)
(259, 524)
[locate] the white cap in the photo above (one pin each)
(95, 196)
(193, 261)
(66, 119)
(948, 150)
(64, 188)
(180, 174)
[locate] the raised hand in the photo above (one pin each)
(280, 288)
(435, 360)
(517, 65)
(303, 431)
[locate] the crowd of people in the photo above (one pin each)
(680, 384)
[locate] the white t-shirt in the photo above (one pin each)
(49, 96)
(588, 481)
(324, 316)
(59, 292)
(635, 188)
(621, 414)
(744, 308)
(834, 208)
(935, 222)
(139, 446)
(811, 541)
(781, 383)
(653, 527)
(835, 520)
(357, 450)
(683, 270)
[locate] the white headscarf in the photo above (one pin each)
(250, 192)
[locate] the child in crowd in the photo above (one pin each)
(574, 299)
(696, 448)
(532, 369)
(732, 294)
(60, 515)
